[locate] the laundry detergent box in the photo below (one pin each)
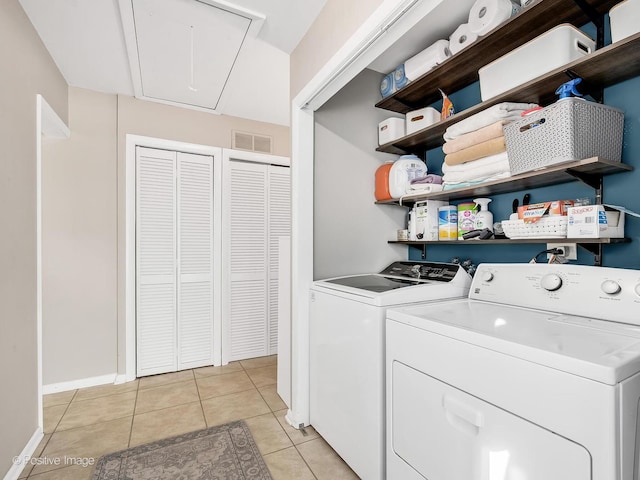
(587, 221)
(427, 222)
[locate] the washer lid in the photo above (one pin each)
(600, 350)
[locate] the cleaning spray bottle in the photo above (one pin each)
(569, 89)
(484, 218)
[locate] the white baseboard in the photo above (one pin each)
(81, 383)
(20, 461)
(124, 379)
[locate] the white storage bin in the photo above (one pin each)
(624, 19)
(419, 119)
(559, 46)
(424, 61)
(390, 129)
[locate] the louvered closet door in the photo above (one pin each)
(155, 261)
(195, 261)
(279, 225)
(246, 303)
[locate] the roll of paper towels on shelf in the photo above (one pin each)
(485, 15)
(424, 61)
(461, 38)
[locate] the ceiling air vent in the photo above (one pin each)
(253, 142)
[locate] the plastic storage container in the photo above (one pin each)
(570, 129)
(405, 169)
(419, 119)
(624, 19)
(390, 129)
(546, 227)
(557, 47)
(382, 182)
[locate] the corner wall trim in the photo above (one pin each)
(21, 460)
(80, 383)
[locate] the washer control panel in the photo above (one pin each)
(597, 292)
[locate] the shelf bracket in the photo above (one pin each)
(596, 250)
(593, 180)
(596, 18)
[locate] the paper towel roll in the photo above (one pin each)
(461, 38)
(424, 61)
(485, 15)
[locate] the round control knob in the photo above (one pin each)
(551, 282)
(488, 276)
(610, 287)
(638, 289)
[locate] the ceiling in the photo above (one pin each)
(119, 46)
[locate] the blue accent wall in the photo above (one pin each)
(619, 189)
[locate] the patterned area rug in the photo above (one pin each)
(223, 452)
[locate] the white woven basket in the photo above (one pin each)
(546, 227)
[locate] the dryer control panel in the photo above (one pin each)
(596, 292)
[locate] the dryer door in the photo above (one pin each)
(446, 434)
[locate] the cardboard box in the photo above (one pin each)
(534, 212)
(587, 221)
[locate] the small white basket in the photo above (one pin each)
(546, 227)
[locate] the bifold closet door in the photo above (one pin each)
(258, 213)
(174, 261)
(279, 225)
(246, 300)
(195, 261)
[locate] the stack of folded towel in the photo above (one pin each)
(475, 149)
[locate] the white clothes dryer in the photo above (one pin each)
(534, 376)
(347, 336)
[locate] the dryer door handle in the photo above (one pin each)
(462, 416)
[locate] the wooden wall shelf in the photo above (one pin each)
(461, 70)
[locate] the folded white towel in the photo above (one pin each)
(503, 111)
(471, 183)
(477, 170)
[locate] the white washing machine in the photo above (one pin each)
(534, 377)
(347, 332)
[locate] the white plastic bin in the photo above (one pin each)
(559, 46)
(419, 119)
(390, 129)
(624, 19)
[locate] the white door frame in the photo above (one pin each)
(133, 141)
(391, 20)
(48, 125)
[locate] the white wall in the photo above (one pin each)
(27, 69)
(79, 243)
(350, 231)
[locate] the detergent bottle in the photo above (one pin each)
(484, 218)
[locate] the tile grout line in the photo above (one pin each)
(135, 405)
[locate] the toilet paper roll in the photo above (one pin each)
(461, 38)
(424, 61)
(485, 15)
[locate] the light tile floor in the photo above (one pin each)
(90, 422)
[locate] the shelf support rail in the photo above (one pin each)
(593, 180)
(596, 250)
(596, 18)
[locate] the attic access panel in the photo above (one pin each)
(183, 51)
